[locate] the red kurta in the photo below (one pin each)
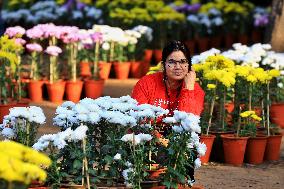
(151, 90)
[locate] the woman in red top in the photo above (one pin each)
(174, 88)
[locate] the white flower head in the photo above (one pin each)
(117, 156)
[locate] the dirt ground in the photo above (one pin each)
(269, 175)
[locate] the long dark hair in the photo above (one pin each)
(172, 46)
(168, 49)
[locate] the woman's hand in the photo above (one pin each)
(189, 80)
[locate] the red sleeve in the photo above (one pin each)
(191, 101)
(140, 92)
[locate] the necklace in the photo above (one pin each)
(172, 105)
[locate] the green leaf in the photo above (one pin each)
(77, 164)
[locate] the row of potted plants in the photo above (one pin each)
(181, 20)
(246, 77)
(112, 142)
(103, 46)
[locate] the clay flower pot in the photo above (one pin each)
(234, 149)
(73, 90)
(35, 90)
(255, 149)
(276, 114)
(272, 150)
(122, 70)
(208, 141)
(136, 69)
(56, 91)
(105, 68)
(94, 88)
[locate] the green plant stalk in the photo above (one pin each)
(19, 83)
(51, 69)
(267, 110)
(211, 112)
(73, 60)
(250, 96)
(239, 123)
(263, 112)
(223, 108)
(27, 133)
(111, 54)
(85, 164)
(120, 57)
(52, 41)
(96, 62)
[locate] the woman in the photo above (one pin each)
(174, 88)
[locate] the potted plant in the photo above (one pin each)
(272, 150)
(55, 87)
(183, 151)
(94, 86)
(35, 85)
(73, 86)
(122, 65)
(68, 151)
(205, 137)
(30, 165)
(9, 61)
(105, 64)
(22, 123)
(234, 146)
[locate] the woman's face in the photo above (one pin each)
(176, 66)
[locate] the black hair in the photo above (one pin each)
(176, 45)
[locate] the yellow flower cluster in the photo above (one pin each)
(211, 86)
(218, 68)
(250, 114)
(21, 163)
(254, 75)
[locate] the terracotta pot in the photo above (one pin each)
(144, 67)
(217, 153)
(148, 53)
(276, 114)
(208, 141)
(243, 39)
(122, 70)
(136, 69)
(4, 109)
(203, 44)
(234, 149)
(73, 90)
(158, 55)
(105, 68)
(215, 41)
(191, 45)
(85, 69)
(94, 88)
(255, 149)
(272, 150)
(35, 90)
(56, 91)
(38, 187)
(229, 40)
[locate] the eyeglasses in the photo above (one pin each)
(173, 63)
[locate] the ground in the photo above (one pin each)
(269, 175)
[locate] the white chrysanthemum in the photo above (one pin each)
(68, 104)
(169, 120)
(125, 174)
(59, 142)
(177, 129)
(201, 149)
(144, 137)
(197, 163)
(117, 156)
(94, 117)
(8, 133)
(127, 137)
(79, 133)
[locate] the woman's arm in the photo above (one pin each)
(192, 101)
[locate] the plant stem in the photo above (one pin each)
(85, 164)
(96, 62)
(250, 96)
(223, 108)
(267, 110)
(263, 113)
(211, 112)
(239, 122)
(111, 54)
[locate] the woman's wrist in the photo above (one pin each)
(189, 86)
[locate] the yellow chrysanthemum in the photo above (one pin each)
(21, 163)
(211, 86)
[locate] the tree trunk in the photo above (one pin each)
(275, 30)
